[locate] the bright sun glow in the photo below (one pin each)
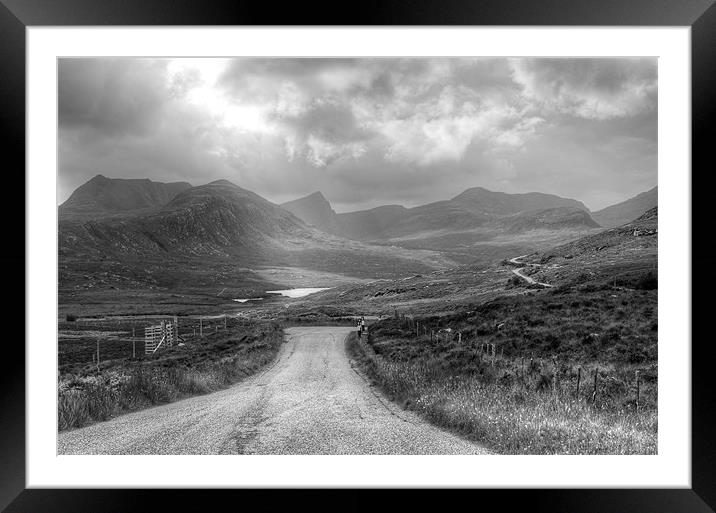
(206, 92)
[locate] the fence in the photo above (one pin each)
(87, 340)
(561, 378)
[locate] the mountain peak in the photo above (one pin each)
(102, 196)
(318, 195)
(315, 210)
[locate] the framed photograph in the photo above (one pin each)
(420, 248)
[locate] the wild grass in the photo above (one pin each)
(181, 372)
(527, 400)
(510, 418)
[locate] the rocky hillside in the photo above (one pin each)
(103, 197)
(218, 219)
(628, 210)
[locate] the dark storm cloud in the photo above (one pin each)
(364, 131)
(112, 96)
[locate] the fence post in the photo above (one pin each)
(224, 322)
(579, 379)
(98, 354)
(594, 393)
(201, 328)
(554, 376)
(637, 390)
(459, 338)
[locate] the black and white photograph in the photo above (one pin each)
(357, 255)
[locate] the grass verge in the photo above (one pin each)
(510, 417)
(217, 361)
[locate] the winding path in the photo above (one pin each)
(310, 401)
(525, 277)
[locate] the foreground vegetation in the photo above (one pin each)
(538, 393)
(91, 392)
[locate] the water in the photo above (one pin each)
(248, 299)
(293, 293)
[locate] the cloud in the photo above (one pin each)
(369, 130)
(598, 89)
(112, 96)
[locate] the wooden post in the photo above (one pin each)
(594, 393)
(201, 328)
(176, 329)
(224, 322)
(98, 354)
(637, 390)
(579, 379)
(554, 376)
(459, 338)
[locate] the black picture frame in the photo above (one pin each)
(17, 15)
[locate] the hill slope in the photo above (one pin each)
(628, 210)
(623, 254)
(102, 196)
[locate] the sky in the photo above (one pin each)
(365, 132)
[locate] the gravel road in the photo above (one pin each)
(310, 401)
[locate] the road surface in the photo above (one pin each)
(310, 401)
(519, 273)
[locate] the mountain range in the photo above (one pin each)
(135, 220)
(476, 207)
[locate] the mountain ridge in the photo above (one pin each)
(474, 207)
(102, 196)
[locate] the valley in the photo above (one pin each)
(532, 276)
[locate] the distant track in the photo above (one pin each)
(519, 273)
(310, 401)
